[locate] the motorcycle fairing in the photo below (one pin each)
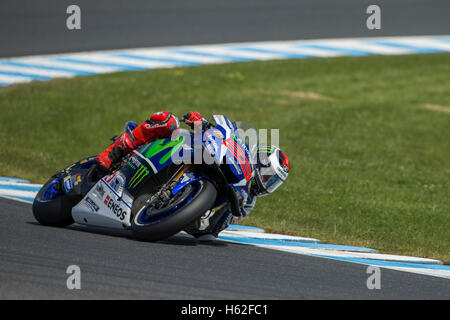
(106, 204)
(227, 147)
(148, 161)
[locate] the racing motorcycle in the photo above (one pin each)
(157, 190)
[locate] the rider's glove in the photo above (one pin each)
(192, 117)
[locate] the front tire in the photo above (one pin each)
(203, 200)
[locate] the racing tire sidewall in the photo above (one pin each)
(56, 212)
(178, 221)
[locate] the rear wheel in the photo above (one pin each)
(52, 207)
(154, 223)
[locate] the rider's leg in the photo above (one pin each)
(121, 146)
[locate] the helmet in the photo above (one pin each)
(272, 169)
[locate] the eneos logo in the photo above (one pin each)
(115, 208)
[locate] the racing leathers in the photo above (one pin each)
(159, 125)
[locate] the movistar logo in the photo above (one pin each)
(138, 176)
(159, 146)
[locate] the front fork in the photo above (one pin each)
(171, 188)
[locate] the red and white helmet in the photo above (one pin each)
(272, 169)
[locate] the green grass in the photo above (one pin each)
(370, 164)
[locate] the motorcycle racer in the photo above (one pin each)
(271, 167)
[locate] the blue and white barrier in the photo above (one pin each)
(47, 67)
(22, 190)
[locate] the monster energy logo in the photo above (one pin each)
(266, 149)
(138, 176)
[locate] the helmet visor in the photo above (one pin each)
(270, 182)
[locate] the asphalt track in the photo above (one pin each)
(37, 27)
(34, 260)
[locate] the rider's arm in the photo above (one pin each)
(247, 207)
(156, 127)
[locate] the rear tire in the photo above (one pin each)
(203, 201)
(56, 212)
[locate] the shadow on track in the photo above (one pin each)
(180, 239)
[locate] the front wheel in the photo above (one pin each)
(188, 205)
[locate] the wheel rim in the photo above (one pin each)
(51, 191)
(147, 215)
